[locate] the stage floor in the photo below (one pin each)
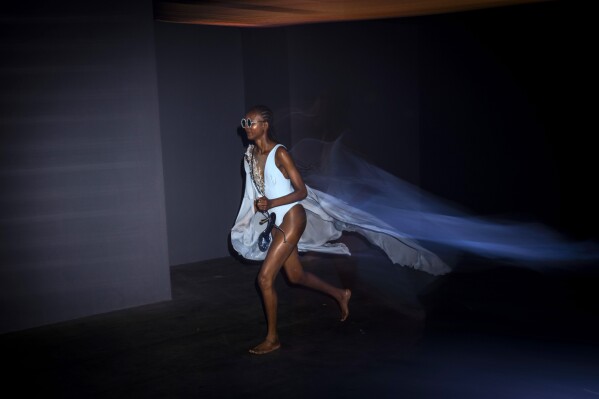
(485, 331)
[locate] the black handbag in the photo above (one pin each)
(265, 237)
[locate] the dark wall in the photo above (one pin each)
(266, 75)
(82, 223)
(359, 80)
(201, 86)
(504, 120)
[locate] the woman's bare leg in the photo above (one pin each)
(297, 275)
(293, 225)
(284, 254)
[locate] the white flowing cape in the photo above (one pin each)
(327, 218)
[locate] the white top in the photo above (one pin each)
(276, 185)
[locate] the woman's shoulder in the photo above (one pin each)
(278, 148)
(282, 155)
(280, 151)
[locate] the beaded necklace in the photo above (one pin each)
(255, 173)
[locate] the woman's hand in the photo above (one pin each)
(263, 204)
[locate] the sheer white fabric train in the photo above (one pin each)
(327, 218)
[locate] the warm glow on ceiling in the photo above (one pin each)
(264, 13)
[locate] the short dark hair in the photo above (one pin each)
(267, 115)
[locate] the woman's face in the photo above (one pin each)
(259, 126)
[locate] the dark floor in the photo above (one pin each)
(490, 332)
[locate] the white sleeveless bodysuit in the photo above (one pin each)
(276, 185)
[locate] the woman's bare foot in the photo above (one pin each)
(266, 347)
(344, 304)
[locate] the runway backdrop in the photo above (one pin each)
(120, 139)
(484, 109)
